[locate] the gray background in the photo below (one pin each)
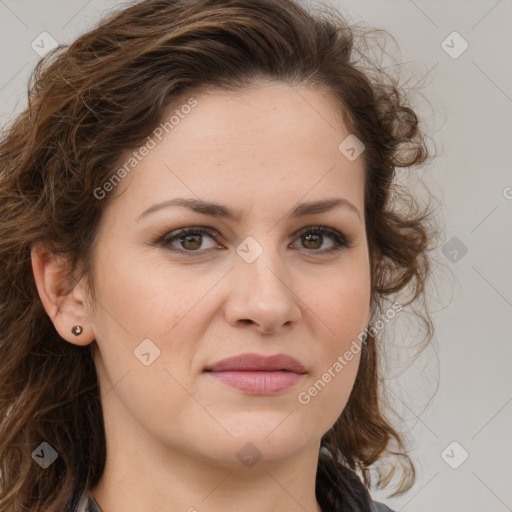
(468, 117)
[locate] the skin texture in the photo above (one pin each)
(172, 431)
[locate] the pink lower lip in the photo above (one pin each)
(259, 382)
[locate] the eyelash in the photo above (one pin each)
(340, 240)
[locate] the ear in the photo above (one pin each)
(62, 296)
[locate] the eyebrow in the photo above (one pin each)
(224, 212)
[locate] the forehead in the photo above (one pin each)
(271, 142)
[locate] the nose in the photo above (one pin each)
(262, 296)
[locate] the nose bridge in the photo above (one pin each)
(262, 291)
(260, 265)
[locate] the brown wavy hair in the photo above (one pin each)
(91, 101)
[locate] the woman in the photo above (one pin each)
(201, 245)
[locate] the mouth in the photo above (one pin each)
(258, 374)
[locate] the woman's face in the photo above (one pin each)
(262, 283)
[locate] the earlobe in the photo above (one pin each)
(58, 294)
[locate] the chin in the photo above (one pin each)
(250, 447)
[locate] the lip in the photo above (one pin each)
(258, 374)
(256, 362)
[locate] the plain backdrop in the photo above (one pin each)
(460, 54)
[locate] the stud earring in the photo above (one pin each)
(77, 330)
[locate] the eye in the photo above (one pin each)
(313, 237)
(189, 241)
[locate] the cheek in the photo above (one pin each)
(326, 393)
(136, 305)
(141, 298)
(342, 307)
(139, 302)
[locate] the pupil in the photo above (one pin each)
(313, 238)
(188, 238)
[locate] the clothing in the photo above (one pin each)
(333, 494)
